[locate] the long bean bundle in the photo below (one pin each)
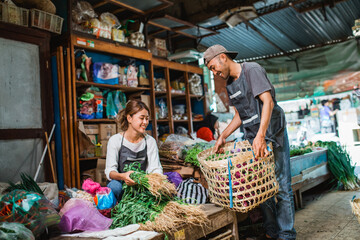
(152, 203)
(339, 163)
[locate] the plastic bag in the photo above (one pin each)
(82, 12)
(163, 110)
(106, 73)
(110, 19)
(174, 177)
(83, 217)
(15, 231)
(192, 193)
(86, 106)
(115, 102)
(73, 202)
(105, 198)
(31, 209)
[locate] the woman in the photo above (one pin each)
(130, 145)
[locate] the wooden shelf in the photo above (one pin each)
(197, 120)
(91, 158)
(178, 95)
(96, 120)
(160, 93)
(181, 121)
(162, 120)
(119, 87)
(80, 40)
(195, 96)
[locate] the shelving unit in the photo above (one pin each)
(73, 163)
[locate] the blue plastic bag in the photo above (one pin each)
(105, 198)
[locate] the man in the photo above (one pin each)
(253, 97)
(327, 125)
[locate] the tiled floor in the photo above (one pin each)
(327, 216)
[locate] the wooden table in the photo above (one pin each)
(218, 218)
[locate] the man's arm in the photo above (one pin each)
(259, 144)
(234, 124)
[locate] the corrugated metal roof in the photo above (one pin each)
(288, 29)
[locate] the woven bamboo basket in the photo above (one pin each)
(250, 181)
(355, 205)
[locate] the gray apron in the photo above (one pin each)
(249, 109)
(126, 156)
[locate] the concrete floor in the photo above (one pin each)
(327, 215)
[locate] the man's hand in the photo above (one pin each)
(221, 141)
(260, 147)
(127, 179)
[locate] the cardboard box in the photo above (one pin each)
(104, 147)
(146, 100)
(106, 131)
(88, 174)
(100, 172)
(158, 43)
(91, 128)
(159, 52)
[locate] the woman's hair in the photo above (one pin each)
(323, 102)
(132, 107)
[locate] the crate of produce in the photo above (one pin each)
(13, 14)
(236, 179)
(46, 21)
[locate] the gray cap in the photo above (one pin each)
(215, 50)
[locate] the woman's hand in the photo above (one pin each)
(127, 179)
(221, 141)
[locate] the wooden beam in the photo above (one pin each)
(131, 8)
(160, 7)
(99, 4)
(157, 32)
(119, 10)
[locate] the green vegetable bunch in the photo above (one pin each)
(191, 155)
(296, 151)
(137, 205)
(339, 163)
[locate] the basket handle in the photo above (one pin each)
(230, 183)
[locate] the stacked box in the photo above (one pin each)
(46, 21)
(157, 47)
(13, 14)
(106, 131)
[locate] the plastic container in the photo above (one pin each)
(13, 14)
(46, 21)
(179, 109)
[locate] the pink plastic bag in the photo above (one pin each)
(83, 217)
(90, 186)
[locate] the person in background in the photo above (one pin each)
(130, 145)
(327, 125)
(208, 129)
(253, 97)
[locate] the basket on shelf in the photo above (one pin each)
(355, 205)
(236, 179)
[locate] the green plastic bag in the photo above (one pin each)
(15, 231)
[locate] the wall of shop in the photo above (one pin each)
(20, 108)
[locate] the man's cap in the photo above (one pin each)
(215, 50)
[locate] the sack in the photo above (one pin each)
(192, 193)
(106, 73)
(31, 209)
(83, 216)
(115, 102)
